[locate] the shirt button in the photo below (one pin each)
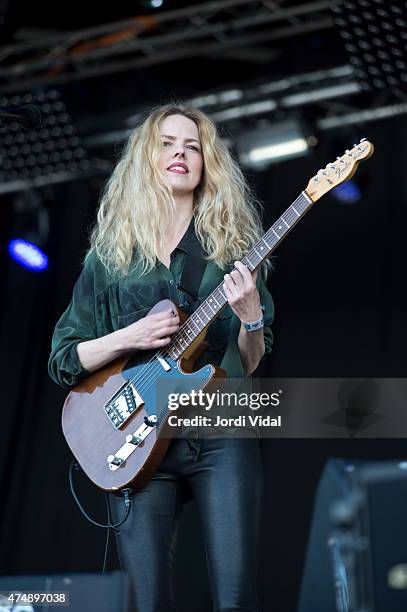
(171, 282)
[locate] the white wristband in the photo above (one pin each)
(254, 325)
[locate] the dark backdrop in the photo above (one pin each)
(339, 287)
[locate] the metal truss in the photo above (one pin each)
(209, 29)
(234, 105)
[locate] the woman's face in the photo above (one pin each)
(180, 156)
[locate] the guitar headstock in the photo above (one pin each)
(339, 171)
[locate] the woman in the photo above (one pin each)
(176, 187)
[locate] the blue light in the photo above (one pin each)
(28, 254)
(347, 193)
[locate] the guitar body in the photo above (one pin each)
(90, 433)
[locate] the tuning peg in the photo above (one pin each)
(362, 139)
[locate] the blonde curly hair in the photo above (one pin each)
(136, 204)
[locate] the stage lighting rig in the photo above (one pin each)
(375, 36)
(49, 153)
(270, 142)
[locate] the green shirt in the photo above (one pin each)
(102, 304)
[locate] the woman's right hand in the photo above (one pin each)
(151, 332)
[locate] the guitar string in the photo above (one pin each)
(153, 373)
(150, 374)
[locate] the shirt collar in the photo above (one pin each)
(188, 238)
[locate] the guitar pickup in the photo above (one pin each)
(123, 404)
(133, 441)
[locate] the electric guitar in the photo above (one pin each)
(113, 418)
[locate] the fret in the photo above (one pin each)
(169, 351)
(272, 238)
(249, 264)
(295, 210)
(214, 311)
(213, 295)
(176, 348)
(251, 255)
(190, 333)
(274, 232)
(198, 317)
(279, 230)
(285, 222)
(185, 337)
(180, 342)
(256, 261)
(188, 330)
(202, 309)
(209, 310)
(290, 218)
(222, 294)
(194, 322)
(264, 240)
(306, 197)
(303, 202)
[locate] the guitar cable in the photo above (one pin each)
(74, 465)
(127, 502)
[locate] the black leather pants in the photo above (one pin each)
(224, 476)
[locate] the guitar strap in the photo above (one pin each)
(193, 270)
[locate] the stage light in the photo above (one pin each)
(51, 153)
(269, 143)
(357, 22)
(347, 193)
(152, 4)
(28, 255)
(29, 230)
(278, 151)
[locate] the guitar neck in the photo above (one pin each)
(216, 301)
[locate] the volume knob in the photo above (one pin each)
(115, 460)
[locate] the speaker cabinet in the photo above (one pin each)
(357, 553)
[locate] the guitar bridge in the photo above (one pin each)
(123, 404)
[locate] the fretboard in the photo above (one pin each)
(216, 301)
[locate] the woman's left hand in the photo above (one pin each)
(241, 293)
